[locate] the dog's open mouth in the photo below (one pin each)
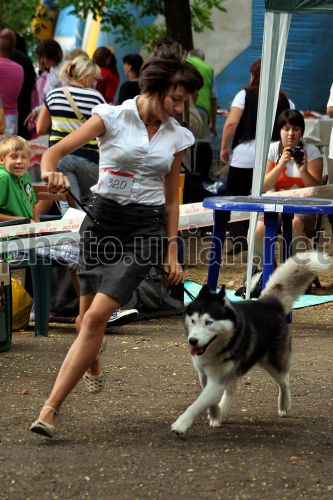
(198, 351)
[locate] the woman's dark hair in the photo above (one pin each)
(135, 61)
(51, 49)
(291, 116)
(159, 74)
(105, 58)
(255, 80)
(255, 73)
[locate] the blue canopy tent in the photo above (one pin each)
(278, 14)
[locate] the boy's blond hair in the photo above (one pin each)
(13, 143)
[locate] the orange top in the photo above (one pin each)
(285, 182)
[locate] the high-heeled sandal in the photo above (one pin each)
(44, 428)
(95, 383)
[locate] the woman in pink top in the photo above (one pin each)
(11, 81)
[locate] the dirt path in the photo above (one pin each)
(118, 444)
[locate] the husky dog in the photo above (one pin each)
(226, 339)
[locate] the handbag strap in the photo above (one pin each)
(73, 105)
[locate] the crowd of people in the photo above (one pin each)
(118, 148)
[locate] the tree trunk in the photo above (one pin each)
(178, 22)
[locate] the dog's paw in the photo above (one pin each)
(284, 404)
(214, 421)
(214, 416)
(180, 426)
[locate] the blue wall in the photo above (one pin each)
(307, 74)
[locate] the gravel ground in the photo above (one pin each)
(118, 444)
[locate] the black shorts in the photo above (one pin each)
(119, 248)
(239, 181)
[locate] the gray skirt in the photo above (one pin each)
(119, 246)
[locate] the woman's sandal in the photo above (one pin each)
(44, 428)
(95, 383)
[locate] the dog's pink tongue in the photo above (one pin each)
(196, 351)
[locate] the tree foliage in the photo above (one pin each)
(126, 18)
(17, 15)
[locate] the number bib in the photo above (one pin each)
(119, 183)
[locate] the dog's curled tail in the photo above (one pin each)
(293, 277)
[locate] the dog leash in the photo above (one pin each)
(191, 296)
(82, 206)
(188, 293)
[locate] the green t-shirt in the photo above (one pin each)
(17, 196)
(205, 93)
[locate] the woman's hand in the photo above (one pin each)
(224, 155)
(31, 119)
(174, 271)
(57, 181)
(284, 158)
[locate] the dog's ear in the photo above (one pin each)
(204, 292)
(221, 294)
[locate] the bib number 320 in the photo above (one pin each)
(116, 183)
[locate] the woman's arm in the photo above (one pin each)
(273, 170)
(312, 171)
(43, 125)
(94, 127)
(171, 191)
(229, 130)
(329, 111)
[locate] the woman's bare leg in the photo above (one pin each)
(85, 303)
(82, 353)
(300, 241)
(259, 243)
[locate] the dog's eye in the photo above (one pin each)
(192, 321)
(208, 322)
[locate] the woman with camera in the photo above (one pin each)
(291, 164)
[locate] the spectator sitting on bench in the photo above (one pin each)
(17, 195)
(18, 200)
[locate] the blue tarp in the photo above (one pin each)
(305, 300)
(299, 5)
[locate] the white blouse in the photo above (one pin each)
(132, 168)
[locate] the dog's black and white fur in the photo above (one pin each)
(227, 339)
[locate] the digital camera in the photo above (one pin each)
(297, 154)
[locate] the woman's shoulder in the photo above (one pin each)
(239, 99)
(184, 134)
(312, 151)
(85, 92)
(273, 152)
(113, 116)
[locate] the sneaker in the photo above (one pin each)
(122, 316)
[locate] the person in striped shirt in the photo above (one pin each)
(64, 110)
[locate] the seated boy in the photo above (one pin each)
(18, 198)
